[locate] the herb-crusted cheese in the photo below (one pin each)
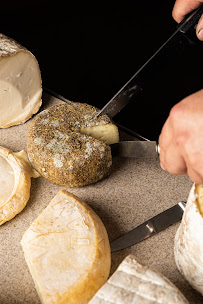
(68, 145)
(134, 283)
(20, 83)
(67, 251)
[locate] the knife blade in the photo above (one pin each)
(137, 149)
(150, 227)
(182, 37)
(120, 127)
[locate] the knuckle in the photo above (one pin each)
(180, 140)
(176, 112)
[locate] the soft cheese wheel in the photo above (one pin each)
(15, 183)
(188, 247)
(134, 283)
(67, 251)
(67, 144)
(20, 83)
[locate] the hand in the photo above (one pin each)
(183, 7)
(181, 139)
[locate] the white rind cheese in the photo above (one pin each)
(67, 251)
(20, 83)
(15, 183)
(188, 247)
(135, 283)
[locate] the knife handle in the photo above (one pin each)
(188, 25)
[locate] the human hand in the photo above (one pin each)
(183, 7)
(181, 139)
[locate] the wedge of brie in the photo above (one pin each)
(15, 182)
(20, 83)
(67, 251)
(134, 283)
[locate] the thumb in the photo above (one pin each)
(199, 29)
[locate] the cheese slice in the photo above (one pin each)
(20, 83)
(67, 251)
(106, 133)
(135, 283)
(188, 245)
(15, 183)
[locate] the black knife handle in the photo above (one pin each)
(188, 25)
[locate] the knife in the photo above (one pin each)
(140, 148)
(120, 127)
(150, 227)
(182, 37)
(137, 149)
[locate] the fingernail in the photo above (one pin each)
(200, 34)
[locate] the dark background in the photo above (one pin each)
(87, 52)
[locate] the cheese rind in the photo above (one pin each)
(20, 83)
(67, 251)
(15, 184)
(62, 148)
(133, 283)
(188, 245)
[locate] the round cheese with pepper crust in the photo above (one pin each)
(68, 145)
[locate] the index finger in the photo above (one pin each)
(183, 7)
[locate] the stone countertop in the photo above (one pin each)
(136, 190)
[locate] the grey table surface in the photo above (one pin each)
(136, 190)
